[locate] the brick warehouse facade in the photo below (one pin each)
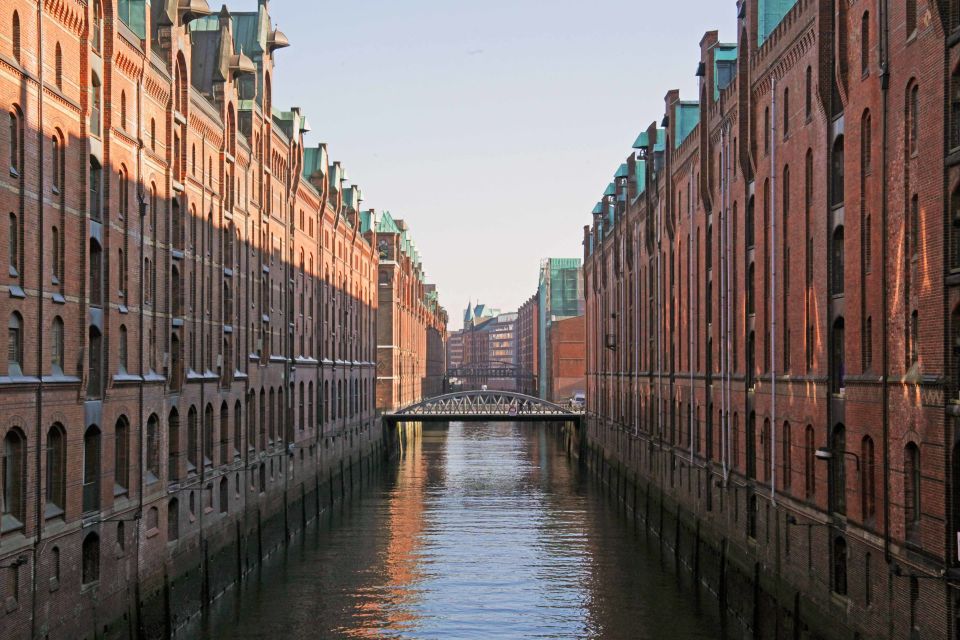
(191, 303)
(411, 324)
(772, 321)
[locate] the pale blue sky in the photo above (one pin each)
(491, 127)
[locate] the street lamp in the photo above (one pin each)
(827, 454)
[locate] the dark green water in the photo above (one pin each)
(480, 531)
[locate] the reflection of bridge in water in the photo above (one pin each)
(484, 406)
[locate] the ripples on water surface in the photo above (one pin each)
(480, 531)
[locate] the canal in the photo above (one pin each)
(479, 530)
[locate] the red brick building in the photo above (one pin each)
(772, 314)
(567, 359)
(528, 344)
(411, 324)
(191, 313)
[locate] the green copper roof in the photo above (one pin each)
(386, 224)
(622, 171)
(315, 161)
(611, 190)
(722, 53)
(366, 221)
(642, 141)
(771, 14)
(640, 175)
(597, 209)
(687, 116)
(661, 144)
(352, 197)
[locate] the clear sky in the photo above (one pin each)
(490, 126)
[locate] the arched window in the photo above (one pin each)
(14, 478)
(90, 559)
(176, 367)
(911, 17)
(263, 420)
(56, 495)
(173, 520)
(301, 403)
(865, 43)
(95, 102)
(868, 344)
(273, 417)
(208, 436)
(173, 445)
(15, 29)
(913, 338)
(96, 274)
(751, 445)
(122, 355)
(91, 469)
(913, 118)
(121, 455)
(55, 265)
(237, 429)
(15, 345)
(838, 469)
(808, 97)
(911, 492)
(153, 448)
(97, 26)
(866, 144)
(95, 364)
(837, 173)
(13, 244)
(839, 568)
(787, 456)
(55, 165)
(955, 109)
(809, 463)
(837, 365)
(750, 223)
(16, 142)
(96, 196)
(58, 66)
(786, 112)
(224, 495)
(224, 433)
(192, 440)
(310, 416)
(765, 451)
(251, 423)
(751, 290)
(123, 110)
(766, 131)
(836, 263)
(868, 480)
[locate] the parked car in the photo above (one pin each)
(578, 401)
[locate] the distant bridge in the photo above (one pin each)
(484, 406)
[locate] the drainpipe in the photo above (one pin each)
(659, 327)
(731, 249)
(723, 301)
(690, 320)
(884, 88)
(38, 405)
(773, 291)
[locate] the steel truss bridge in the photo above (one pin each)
(484, 406)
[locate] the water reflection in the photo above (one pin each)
(482, 530)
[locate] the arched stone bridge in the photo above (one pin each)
(484, 406)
